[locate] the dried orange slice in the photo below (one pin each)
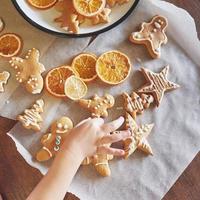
(10, 45)
(42, 4)
(113, 67)
(85, 64)
(56, 78)
(75, 88)
(89, 8)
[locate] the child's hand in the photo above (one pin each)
(86, 139)
(92, 135)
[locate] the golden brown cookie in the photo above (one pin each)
(152, 35)
(136, 104)
(103, 17)
(112, 3)
(157, 84)
(98, 105)
(31, 118)
(29, 71)
(4, 76)
(69, 18)
(52, 141)
(100, 162)
(138, 137)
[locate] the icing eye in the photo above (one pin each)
(59, 125)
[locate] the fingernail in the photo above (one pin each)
(129, 133)
(121, 118)
(122, 152)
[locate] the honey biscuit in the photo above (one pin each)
(157, 84)
(103, 17)
(152, 35)
(136, 104)
(52, 141)
(4, 76)
(31, 118)
(98, 106)
(29, 71)
(137, 138)
(100, 162)
(69, 18)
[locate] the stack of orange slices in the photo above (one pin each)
(112, 67)
(76, 12)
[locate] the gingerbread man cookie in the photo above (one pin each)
(136, 104)
(31, 118)
(98, 105)
(52, 141)
(100, 162)
(4, 76)
(103, 17)
(152, 35)
(157, 84)
(112, 3)
(69, 18)
(29, 71)
(137, 138)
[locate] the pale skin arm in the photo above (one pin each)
(84, 140)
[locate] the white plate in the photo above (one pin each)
(44, 19)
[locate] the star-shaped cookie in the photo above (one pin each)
(4, 76)
(103, 17)
(138, 137)
(29, 71)
(157, 84)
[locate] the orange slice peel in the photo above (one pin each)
(56, 78)
(84, 64)
(113, 67)
(89, 8)
(10, 45)
(42, 4)
(75, 88)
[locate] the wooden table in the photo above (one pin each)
(17, 178)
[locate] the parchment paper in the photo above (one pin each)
(54, 52)
(175, 138)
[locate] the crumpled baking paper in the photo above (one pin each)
(175, 138)
(54, 52)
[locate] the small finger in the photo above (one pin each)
(114, 125)
(83, 121)
(97, 121)
(110, 151)
(117, 136)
